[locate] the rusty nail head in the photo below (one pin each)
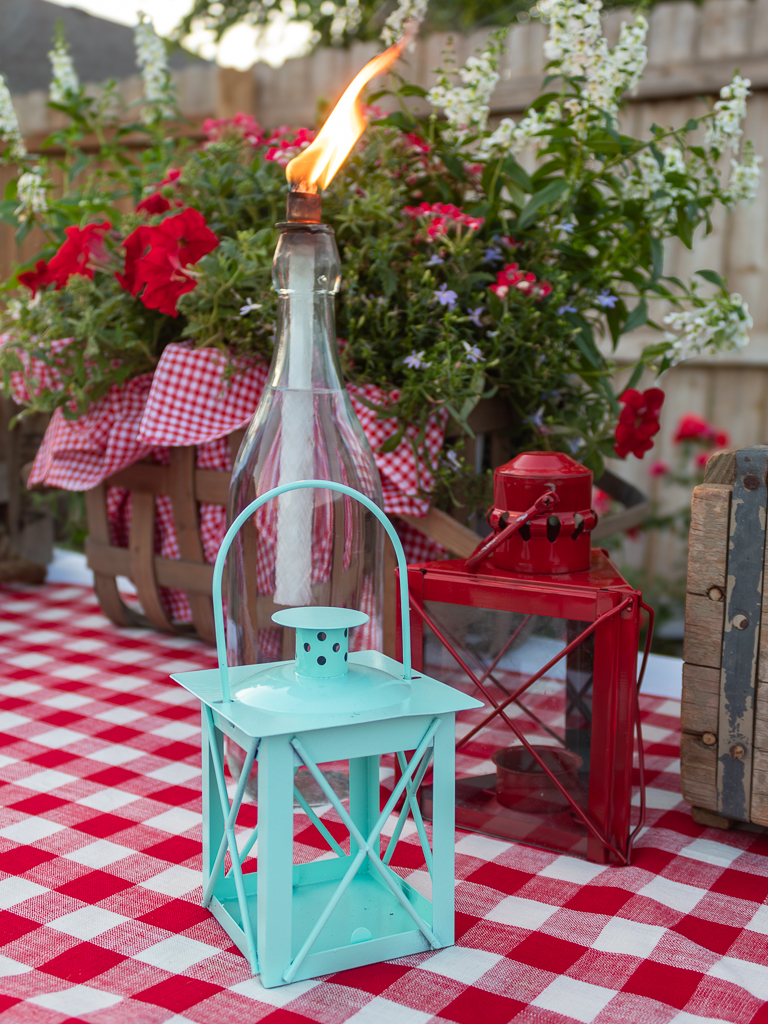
(715, 594)
(740, 621)
(709, 738)
(737, 751)
(751, 482)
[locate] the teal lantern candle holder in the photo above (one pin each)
(297, 921)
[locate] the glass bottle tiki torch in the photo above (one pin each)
(307, 547)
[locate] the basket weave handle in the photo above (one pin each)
(218, 568)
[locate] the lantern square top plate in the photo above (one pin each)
(427, 696)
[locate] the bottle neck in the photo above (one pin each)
(306, 273)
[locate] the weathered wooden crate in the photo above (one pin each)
(724, 747)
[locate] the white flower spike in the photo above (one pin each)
(153, 61)
(9, 124)
(32, 195)
(407, 13)
(65, 81)
(720, 324)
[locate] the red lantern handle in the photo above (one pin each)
(543, 503)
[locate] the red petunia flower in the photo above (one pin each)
(37, 278)
(693, 428)
(155, 258)
(601, 502)
(154, 203)
(638, 422)
(658, 468)
(135, 245)
(76, 255)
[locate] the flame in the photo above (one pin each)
(320, 161)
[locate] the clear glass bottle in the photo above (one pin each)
(306, 547)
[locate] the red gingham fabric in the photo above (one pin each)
(79, 454)
(100, 872)
(193, 398)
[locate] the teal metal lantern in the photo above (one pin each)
(297, 921)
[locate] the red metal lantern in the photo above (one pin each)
(545, 630)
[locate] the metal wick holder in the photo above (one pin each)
(322, 639)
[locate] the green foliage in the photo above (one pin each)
(341, 23)
(424, 311)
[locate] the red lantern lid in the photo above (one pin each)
(555, 541)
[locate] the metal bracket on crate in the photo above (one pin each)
(738, 672)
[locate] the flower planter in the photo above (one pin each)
(187, 486)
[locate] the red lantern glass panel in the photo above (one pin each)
(548, 760)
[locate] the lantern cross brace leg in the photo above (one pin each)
(230, 813)
(246, 849)
(366, 847)
(411, 803)
(321, 828)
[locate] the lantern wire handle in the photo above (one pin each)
(218, 569)
(543, 503)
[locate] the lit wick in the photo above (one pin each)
(304, 207)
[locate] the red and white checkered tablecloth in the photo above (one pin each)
(100, 871)
(195, 397)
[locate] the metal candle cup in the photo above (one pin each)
(521, 782)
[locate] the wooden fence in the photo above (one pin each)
(693, 52)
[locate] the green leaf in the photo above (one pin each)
(11, 189)
(637, 373)
(412, 90)
(392, 442)
(637, 317)
(615, 318)
(454, 165)
(548, 194)
(712, 276)
(585, 343)
(8, 212)
(518, 174)
(684, 228)
(397, 119)
(79, 165)
(657, 258)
